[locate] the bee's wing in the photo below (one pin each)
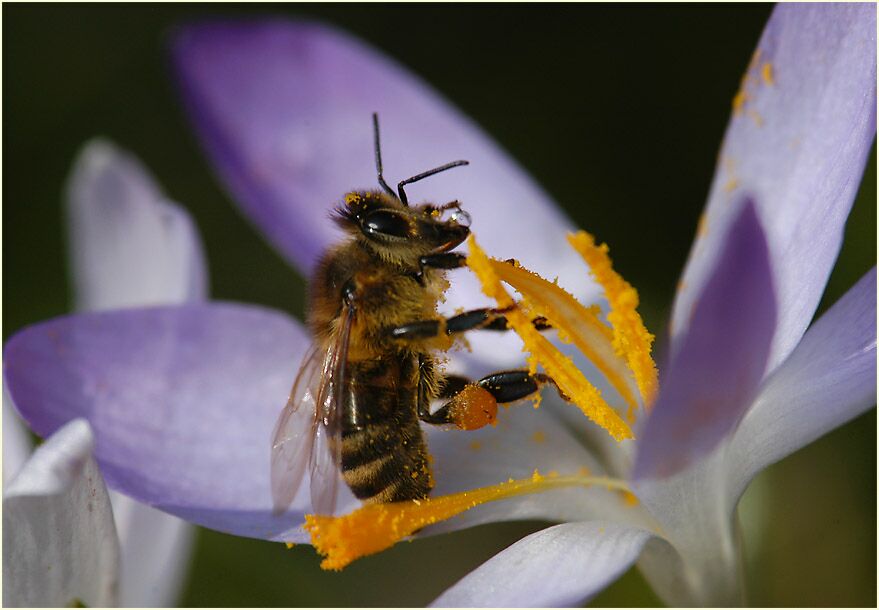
(326, 457)
(295, 430)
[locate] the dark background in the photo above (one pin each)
(618, 111)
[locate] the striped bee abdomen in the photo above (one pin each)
(384, 455)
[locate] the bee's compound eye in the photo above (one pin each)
(383, 222)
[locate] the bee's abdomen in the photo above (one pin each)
(385, 459)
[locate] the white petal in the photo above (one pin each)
(59, 542)
(128, 244)
(17, 444)
(695, 515)
(563, 565)
(156, 550)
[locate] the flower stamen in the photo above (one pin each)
(566, 375)
(630, 337)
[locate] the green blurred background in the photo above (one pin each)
(618, 111)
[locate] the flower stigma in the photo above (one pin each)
(373, 528)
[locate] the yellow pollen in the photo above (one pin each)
(731, 185)
(630, 337)
(702, 227)
(569, 378)
(575, 323)
(352, 198)
(290, 545)
(475, 445)
(630, 499)
(766, 74)
(755, 116)
(536, 399)
(375, 527)
(538, 436)
(738, 102)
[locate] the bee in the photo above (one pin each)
(372, 372)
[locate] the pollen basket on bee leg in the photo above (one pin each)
(473, 408)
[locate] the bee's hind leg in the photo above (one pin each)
(472, 404)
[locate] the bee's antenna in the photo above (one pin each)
(378, 158)
(426, 174)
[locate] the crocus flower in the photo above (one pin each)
(129, 245)
(182, 399)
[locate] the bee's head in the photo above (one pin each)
(399, 233)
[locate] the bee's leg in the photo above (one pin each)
(487, 319)
(440, 260)
(452, 385)
(475, 404)
(475, 319)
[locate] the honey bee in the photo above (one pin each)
(372, 374)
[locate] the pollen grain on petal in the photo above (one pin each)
(766, 73)
(739, 101)
(702, 227)
(756, 117)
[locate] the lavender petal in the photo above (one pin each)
(802, 127)
(182, 400)
(829, 379)
(714, 374)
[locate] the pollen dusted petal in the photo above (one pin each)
(569, 379)
(630, 337)
(375, 527)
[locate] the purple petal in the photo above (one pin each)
(797, 143)
(563, 565)
(719, 362)
(59, 543)
(182, 401)
(129, 245)
(829, 379)
(284, 111)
